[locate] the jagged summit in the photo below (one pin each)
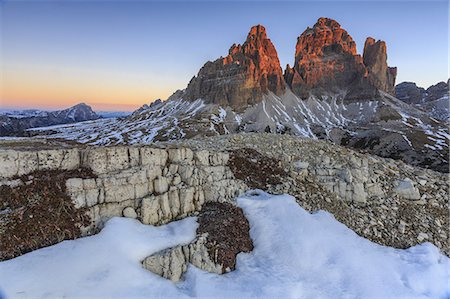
(326, 61)
(326, 32)
(242, 77)
(257, 31)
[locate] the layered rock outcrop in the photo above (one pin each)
(326, 61)
(159, 185)
(242, 77)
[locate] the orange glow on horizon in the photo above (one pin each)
(47, 88)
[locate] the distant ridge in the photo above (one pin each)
(13, 124)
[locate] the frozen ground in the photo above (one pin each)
(296, 255)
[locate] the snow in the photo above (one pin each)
(296, 255)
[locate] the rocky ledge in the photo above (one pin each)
(386, 201)
(222, 234)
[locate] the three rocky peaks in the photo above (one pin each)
(326, 60)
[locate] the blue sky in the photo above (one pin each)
(55, 53)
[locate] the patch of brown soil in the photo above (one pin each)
(255, 169)
(228, 232)
(39, 213)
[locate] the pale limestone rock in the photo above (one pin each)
(402, 227)
(406, 189)
(92, 197)
(199, 256)
(164, 203)
(11, 183)
(95, 159)
(174, 202)
(161, 185)
(346, 175)
(202, 157)
(119, 193)
(134, 156)
(141, 189)
(78, 198)
(173, 168)
(181, 155)
(89, 184)
(375, 190)
(422, 237)
(422, 182)
(150, 187)
(199, 198)
(138, 177)
(300, 165)
(187, 200)
(9, 163)
(117, 158)
(50, 159)
(129, 212)
(101, 195)
(172, 263)
(74, 184)
(150, 210)
(71, 159)
(359, 195)
(109, 210)
(153, 156)
(153, 172)
(28, 162)
(176, 180)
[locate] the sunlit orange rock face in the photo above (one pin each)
(326, 61)
(241, 78)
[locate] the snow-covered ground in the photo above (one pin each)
(296, 255)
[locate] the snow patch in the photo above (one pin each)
(296, 255)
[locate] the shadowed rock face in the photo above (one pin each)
(326, 60)
(410, 93)
(379, 74)
(242, 77)
(437, 91)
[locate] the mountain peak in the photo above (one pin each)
(257, 32)
(323, 21)
(243, 76)
(326, 60)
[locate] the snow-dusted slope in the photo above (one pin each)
(16, 123)
(285, 262)
(381, 124)
(163, 121)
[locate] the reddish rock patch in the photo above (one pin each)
(39, 213)
(228, 232)
(255, 169)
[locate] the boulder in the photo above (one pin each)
(407, 190)
(129, 212)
